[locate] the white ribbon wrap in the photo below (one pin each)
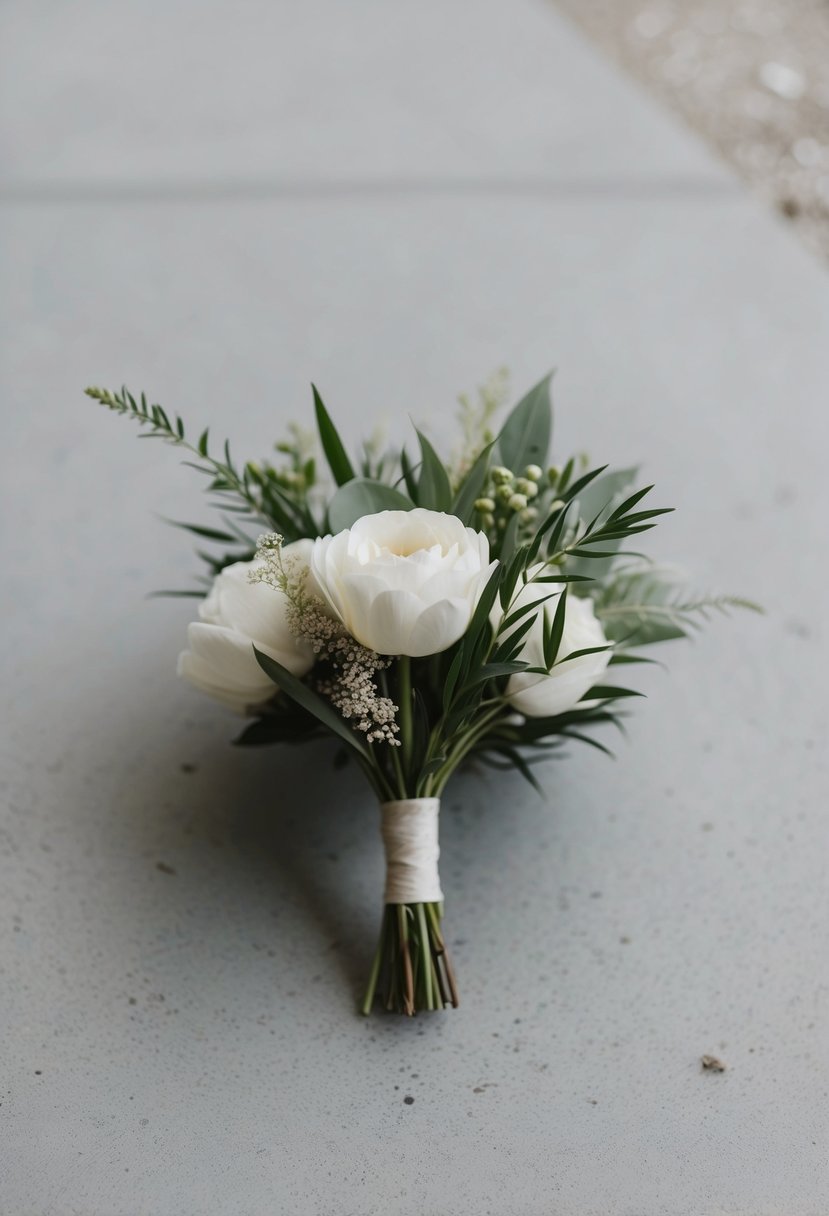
(410, 835)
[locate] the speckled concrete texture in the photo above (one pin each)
(219, 204)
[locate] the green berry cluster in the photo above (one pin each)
(507, 494)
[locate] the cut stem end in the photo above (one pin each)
(411, 972)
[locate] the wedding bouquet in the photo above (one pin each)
(424, 614)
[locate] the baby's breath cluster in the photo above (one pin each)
(350, 684)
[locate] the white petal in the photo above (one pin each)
(391, 618)
(439, 627)
(193, 669)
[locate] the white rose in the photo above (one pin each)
(546, 696)
(404, 582)
(235, 616)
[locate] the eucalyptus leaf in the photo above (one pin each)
(525, 436)
(363, 497)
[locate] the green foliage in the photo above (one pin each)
(257, 496)
(525, 438)
(566, 529)
(433, 488)
(362, 497)
(310, 701)
(645, 604)
(332, 445)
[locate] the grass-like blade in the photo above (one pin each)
(433, 489)
(309, 700)
(341, 468)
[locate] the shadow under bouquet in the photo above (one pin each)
(424, 613)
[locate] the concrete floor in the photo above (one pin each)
(220, 203)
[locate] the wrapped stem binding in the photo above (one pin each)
(411, 971)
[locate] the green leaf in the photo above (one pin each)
(604, 491)
(309, 700)
(493, 671)
(480, 620)
(452, 679)
(519, 763)
(363, 497)
(607, 692)
(574, 734)
(577, 654)
(433, 489)
(552, 638)
(200, 530)
(336, 455)
(408, 476)
(525, 437)
(470, 490)
(534, 607)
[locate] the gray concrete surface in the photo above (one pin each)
(219, 203)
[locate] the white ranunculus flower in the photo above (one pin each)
(235, 616)
(546, 696)
(404, 582)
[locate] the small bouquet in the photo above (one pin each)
(424, 614)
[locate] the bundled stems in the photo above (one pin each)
(411, 971)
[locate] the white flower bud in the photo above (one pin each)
(236, 616)
(528, 515)
(561, 690)
(533, 472)
(517, 502)
(528, 488)
(501, 476)
(484, 504)
(504, 494)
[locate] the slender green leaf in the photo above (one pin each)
(336, 455)
(452, 679)
(552, 642)
(310, 701)
(408, 476)
(433, 489)
(492, 671)
(574, 734)
(577, 654)
(607, 692)
(200, 530)
(470, 490)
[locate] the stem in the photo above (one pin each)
(425, 956)
(439, 779)
(395, 756)
(374, 975)
(404, 684)
(411, 972)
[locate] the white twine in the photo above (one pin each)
(410, 835)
